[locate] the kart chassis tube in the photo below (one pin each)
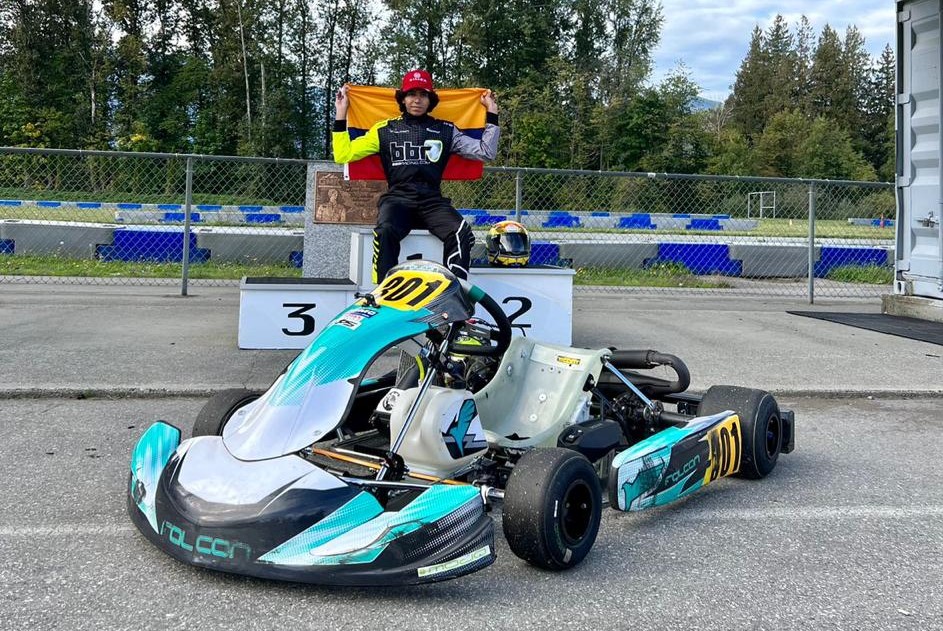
(631, 386)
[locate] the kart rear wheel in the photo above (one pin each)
(552, 508)
(760, 423)
(219, 409)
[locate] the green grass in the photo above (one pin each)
(30, 265)
(865, 275)
(661, 275)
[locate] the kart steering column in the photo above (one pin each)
(431, 372)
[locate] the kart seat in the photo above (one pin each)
(536, 392)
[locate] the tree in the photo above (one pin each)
(767, 81)
(53, 58)
(750, 88)
(424, 34)
(634, 29)
(825, 151)
(876, 133)
(655, 130)
(776, 150)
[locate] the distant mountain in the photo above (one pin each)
(700, 104)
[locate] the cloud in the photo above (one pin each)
(711, 39)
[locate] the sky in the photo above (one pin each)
(712, 37)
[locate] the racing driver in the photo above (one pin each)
(414, 150)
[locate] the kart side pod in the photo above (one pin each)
(446, 434)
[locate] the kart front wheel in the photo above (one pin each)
(552, 508)
(760, 422)
(219, 409)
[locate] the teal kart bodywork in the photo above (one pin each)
(331, 477)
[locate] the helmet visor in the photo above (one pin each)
(513, 243)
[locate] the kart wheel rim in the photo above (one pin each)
(576, 512)
(772, 436)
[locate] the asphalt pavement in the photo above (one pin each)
(845, 533)
(65, 340)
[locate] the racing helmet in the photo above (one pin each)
(508, 244)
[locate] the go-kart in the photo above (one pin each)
(334, 476)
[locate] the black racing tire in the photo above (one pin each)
(219, 409)
(552, 508)
(760, 422)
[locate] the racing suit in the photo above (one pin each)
(414, 151)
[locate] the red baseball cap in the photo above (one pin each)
(417, 80)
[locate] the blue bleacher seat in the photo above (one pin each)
(209, 207)
(489, 220)
(89, 205)
(565, 220)
(699, 258)
(834, 256)
(127, 206)
(637, 221)
(292, 209)
(544, 253)
(263, 217)
(10, 202)
(175, 217)
(562, 221)
(45, 204)
(157, 244)
(698, 223)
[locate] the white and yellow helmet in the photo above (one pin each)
(508, 244)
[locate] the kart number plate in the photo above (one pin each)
(409, 290)
(725, 449)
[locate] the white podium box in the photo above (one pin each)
(537, 300)
(287, 313)
(279, 313)
(417, 244)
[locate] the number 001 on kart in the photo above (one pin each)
(333, 477)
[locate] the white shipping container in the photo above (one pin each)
(919, 150)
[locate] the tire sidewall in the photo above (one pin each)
(570, 478)
(754, 437)
(219, 409)
(535, 507)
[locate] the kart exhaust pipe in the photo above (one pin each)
(648, 359)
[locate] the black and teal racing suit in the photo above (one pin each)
(414, 152)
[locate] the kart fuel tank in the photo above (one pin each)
(446, 433)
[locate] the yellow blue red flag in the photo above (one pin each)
(369, 105)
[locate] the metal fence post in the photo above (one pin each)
(811, 242)
(518, 195)
(186, 228)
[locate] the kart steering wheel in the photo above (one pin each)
(493, 309)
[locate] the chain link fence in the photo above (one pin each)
(134, 218)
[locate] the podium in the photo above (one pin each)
(288, 313)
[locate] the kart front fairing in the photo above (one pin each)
(314, 395)
(250, 503)
(285, 518)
